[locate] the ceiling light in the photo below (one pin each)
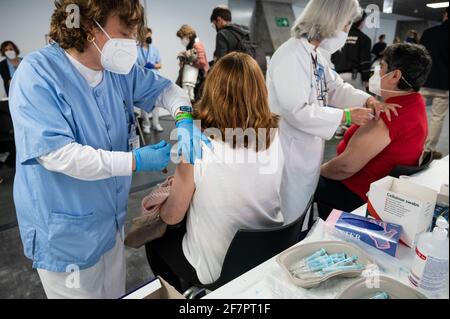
(438, 5)
(388, 6)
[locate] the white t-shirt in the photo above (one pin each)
(230, 195)
(93, 77)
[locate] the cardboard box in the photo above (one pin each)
(154, 290)
(401, 202)
(442, 205)
(379, 234)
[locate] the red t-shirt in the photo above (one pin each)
(408, 134)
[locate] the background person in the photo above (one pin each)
(353, 61)
(379, 47)
(228, 34)
(150, 58)
(8, 67)
(413, 37)
(436, 87)
(193, 58)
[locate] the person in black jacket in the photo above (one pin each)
(435, 40)
(228, 34)
(11, 52)
(353, 62)
(379, 47)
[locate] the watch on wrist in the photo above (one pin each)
(186, 109)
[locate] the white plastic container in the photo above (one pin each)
(429, 271)
(190, 75)
(292, 256)
(394, 288)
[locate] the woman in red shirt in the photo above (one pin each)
(368, 154)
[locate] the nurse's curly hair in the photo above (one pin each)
(63, 28)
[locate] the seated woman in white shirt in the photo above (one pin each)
(235, 186)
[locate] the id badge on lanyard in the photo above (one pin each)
(321, 83)
(133, 139)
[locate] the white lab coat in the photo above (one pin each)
(306, 124)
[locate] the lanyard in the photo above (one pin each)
(321, 82)
(130, 117)
(148, 53)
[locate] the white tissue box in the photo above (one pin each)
(400, 201)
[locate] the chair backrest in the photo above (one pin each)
(411, 170)
(251, 248)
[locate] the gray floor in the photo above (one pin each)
(18, 280)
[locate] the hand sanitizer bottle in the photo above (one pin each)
(429, 271)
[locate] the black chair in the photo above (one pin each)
(250, 248)
(411, 170)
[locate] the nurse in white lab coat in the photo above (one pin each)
(312, 100)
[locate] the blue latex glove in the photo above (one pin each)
(150, 66)
(190, 140)
(152, 158)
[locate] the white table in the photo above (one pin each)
(268, 281)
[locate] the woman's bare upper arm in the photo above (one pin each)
(181, 193)
(367, 143)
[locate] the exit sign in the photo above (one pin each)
(282, 22)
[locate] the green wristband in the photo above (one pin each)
(348, 117)
(184, 116)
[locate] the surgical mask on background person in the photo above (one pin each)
(11, 54)
(118, 55)
(185, 42)
(149, 40)
(335, 44)
(375, 83)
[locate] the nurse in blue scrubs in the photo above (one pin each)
(150, 58)
(72, 107)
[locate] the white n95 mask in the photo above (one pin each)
(185, 42)
(335, 44)
(10, 54)
(118, 55)
(375, 83)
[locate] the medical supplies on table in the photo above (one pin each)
(402, 202)
(429, 272)
(310, 265)
(382, 288)
(442, 205)
(381, 235)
